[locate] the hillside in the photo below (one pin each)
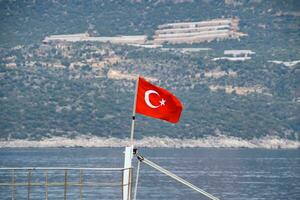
(87, 88)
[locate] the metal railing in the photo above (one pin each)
(70, 181)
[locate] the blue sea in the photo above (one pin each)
(235, 174)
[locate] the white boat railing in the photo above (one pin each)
(65, 178)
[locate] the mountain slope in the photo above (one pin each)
(71, 89)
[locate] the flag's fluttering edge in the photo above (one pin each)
(157, 102)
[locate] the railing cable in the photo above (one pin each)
(174, 176)
(136, 180)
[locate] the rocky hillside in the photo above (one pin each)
(75, 88)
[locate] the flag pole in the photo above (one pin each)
(127, 178)
(133, 111)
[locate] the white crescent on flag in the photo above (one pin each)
(147, 98)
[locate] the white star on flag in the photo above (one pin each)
(162, 102)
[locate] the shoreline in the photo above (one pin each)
(217, 142)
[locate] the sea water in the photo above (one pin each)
(241, 174)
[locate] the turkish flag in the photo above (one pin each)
(157, 102)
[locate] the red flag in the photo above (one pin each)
(157, 102)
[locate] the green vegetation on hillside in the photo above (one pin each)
(54, 89)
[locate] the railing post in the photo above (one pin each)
(46, 185)
(65, 185)
(80, 183)
(126, 173)
(122, 185)
(13, 180)
(130, 183)
(29, 184)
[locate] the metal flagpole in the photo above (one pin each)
(133, 111)
(127, 178)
